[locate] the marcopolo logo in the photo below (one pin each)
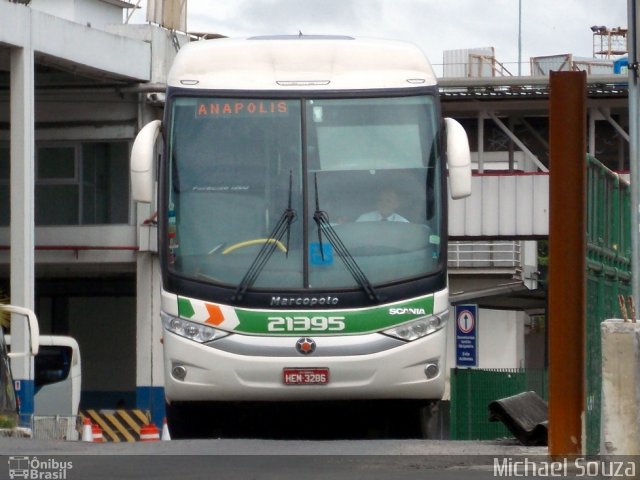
(277, 300)
(38, 469)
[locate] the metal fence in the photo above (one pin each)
(56, 427)
(473, 389)
(608, 275)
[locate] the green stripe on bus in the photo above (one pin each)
(332, 322)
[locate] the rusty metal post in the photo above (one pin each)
(567, 261)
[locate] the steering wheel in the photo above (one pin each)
(255, 241)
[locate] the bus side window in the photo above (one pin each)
(52, 365)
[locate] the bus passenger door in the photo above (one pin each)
(57, 376)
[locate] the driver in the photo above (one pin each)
(387, 204)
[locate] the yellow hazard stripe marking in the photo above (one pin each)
(124, 415)
(121, 428)
(106, 430)
(119, 425)
(141, 416)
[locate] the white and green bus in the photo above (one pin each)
(302, 221)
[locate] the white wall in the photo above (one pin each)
(164, 51)
(59, 8)
(500, 340)
(94, 13)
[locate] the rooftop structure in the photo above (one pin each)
(609, 42)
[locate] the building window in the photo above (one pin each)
(80, 183)
(105, 183)
(57, 200)
(57, 164)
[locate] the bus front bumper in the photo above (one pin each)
(402, 370)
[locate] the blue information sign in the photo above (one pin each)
(466, 335)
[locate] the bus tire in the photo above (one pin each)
(188, 420)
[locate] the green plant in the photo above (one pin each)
(8, 420)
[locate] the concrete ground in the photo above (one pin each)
(507, 447)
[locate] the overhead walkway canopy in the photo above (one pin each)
(507, 205)
(72, 47)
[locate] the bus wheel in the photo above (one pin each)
(189, 420)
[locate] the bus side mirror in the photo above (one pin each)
(34, 328)
(458, 159)
(142, 162)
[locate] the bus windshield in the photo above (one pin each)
(303, 193)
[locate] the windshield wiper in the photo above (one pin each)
(322, 221)
(282, 227)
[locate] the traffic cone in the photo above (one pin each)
(149, 433)
(87, 433)
(165, 430)
(96, 431)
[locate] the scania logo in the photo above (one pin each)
(306, 346)
(406, 311)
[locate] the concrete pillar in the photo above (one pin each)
(620, 434)
(22, 212)
(149, 354)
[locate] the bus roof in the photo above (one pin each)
(300, 63)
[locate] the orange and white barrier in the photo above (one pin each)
(96, 431)
(91, 432)
(165, 430)
(149, 433)
(87, 431)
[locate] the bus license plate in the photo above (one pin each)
(305, 376)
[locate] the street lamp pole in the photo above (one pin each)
(519, 38)
(634, 137)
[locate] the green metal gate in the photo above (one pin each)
(472, 389)
(608, 275)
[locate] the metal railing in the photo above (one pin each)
(608, 275)
(56, 427)
(485, 255)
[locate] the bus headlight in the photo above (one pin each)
(198, 332)
(419, 328)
